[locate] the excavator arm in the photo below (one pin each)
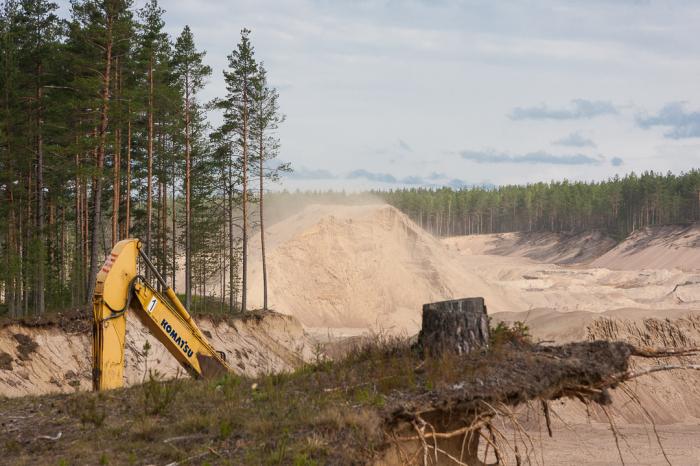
(120, 288)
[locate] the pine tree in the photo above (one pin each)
(190, 73)
(240, 86)
(152, 51)
(40, 30)
(265, 119)
(11, 188)
(98, 25)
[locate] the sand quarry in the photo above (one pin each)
(341, 271)
(344, 269)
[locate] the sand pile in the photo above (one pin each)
(48, 358)
(358, 267)
(661, 247)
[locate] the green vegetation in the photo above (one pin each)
(103, 136)
(518, 333)
(617, 206)
(348, 411)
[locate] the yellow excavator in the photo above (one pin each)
(118, 289)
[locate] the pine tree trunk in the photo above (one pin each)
(26, 276)
(116, 181)
(62, 274)
(232, 252)
(97, 191)
(127, 188)
(12, 256)
(174, 225)
(262, 224)
(244, 281)
(41, 262)
(188, 200)
(149, 182)
(78, 274)
(85, 234)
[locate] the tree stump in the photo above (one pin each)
(457, 326)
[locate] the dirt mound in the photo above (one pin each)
(70, 320)
(47, 358)
(549, 248)
(660, 247)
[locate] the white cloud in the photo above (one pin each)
(443, 75)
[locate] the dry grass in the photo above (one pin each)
(330, 412)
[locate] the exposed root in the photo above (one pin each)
(585, 371)
(615, 433)
(629, 375)
(545, 410)
(664, 352)
(422, 435)
(635, 399)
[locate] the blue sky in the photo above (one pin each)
(388, 93)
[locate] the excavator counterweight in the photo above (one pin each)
(118, 289)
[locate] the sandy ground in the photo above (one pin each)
(344, 270)
(345, 267)
(594, 444)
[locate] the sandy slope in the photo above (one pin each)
(362, 267)
(61, 361)
(340, 266)
(370, 266)
(662, 247)
(549, 248)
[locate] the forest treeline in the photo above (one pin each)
(617, 206)
(104, 136)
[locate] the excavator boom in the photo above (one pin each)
(120, 288)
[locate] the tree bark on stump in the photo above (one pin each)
(457, 326)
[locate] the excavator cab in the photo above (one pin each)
(119, 288)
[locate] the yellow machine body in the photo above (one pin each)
(119, 289)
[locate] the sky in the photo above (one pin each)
(405, 93)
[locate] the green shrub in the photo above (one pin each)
(158, 395)
(90, 410)
(518, 333)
